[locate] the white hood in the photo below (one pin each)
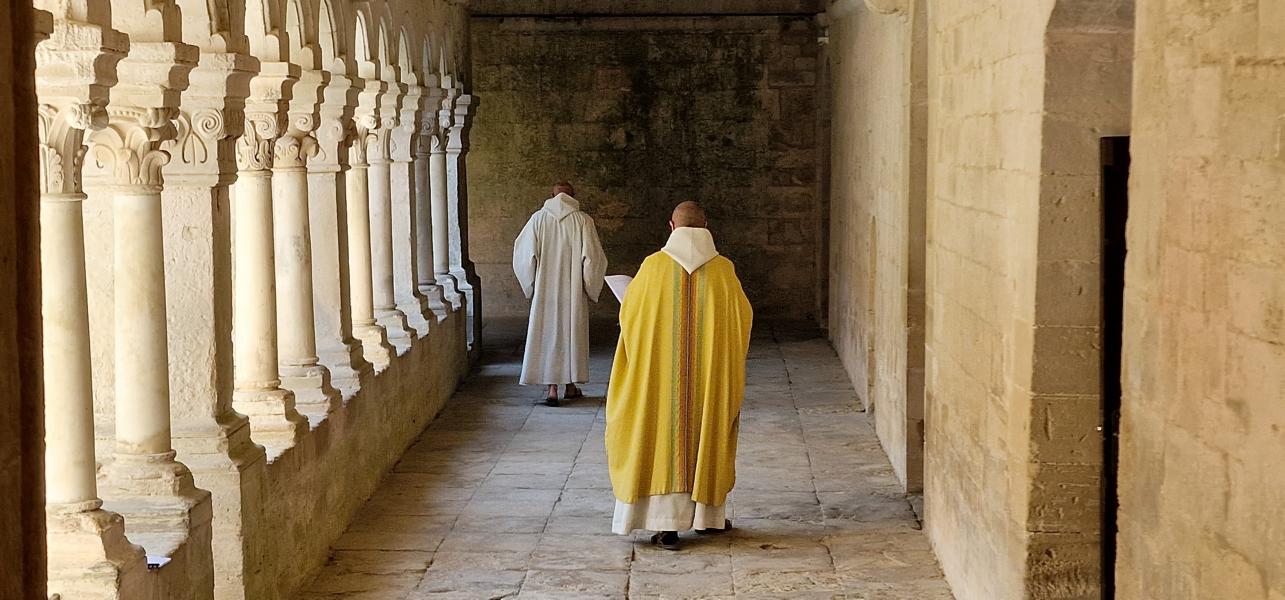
(560, 206)
(691, 247)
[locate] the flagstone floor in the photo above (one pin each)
(504, 498)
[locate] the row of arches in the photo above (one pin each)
(255, 283)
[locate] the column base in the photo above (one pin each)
(418, 317)
(159, 498)
(374, 345)
(348, 366)
(173, 526)
(226, 462)
(314, 396)
(451, 290)
(468, 286)
(400, 335)
(274, 422)
(435, 297)
(89, 556)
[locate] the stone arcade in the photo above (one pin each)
(1043, 239)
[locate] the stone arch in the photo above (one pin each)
(384, 48)
(406, 62)
(94, 12)
(149, 20)
(428, 66)
(331, 47)
(263, 28)
(363, 45)
(212, 25)
(301, 34)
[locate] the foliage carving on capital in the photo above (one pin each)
(294, 149)
(425, 141)
(297, 146)
(62, 146)
(381, 140)
(403, 142)
(358, 141)
(129, 149)
(201, 129)
(254, 149)
(331, 136)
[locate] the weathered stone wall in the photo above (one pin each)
(312, 491)
(1202, 492)
(877, 221)
(986, 75)
(1087, 78)
(1019, 99)
(22, 497)
(642, 113)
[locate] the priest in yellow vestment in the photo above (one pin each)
(674, 399)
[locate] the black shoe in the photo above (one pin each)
(551, 402)
(727, 526)
(668, 540)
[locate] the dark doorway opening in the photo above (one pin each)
(1115, 211)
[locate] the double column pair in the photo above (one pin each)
(119, 147)
(280, 383)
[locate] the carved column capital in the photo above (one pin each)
(381, 140)
(336, 129)
(127, 152)
(210, 119)
(254, 149)
(293, 150)
(62, 149)
(358, 139)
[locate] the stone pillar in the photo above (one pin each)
(440, 212)
(425, 276)
(258, 394)
(213, 440)
(375, 345)
(457, 206)
(393, 320)
(301, 369)
(405, 198)
(147, 485)
(327, 215)
(87, 549)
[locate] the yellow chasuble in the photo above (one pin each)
(674, 400)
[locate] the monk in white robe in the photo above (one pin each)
(674, 401)
(559, 261)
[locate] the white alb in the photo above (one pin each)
(559, 261)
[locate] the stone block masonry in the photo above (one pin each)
(642, 113)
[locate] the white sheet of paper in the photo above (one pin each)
(618, 285)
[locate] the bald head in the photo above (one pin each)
(688, 214)
(564, 187)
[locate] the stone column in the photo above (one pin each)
(441, 214)
(327, 209)
(403, 139)
(457, 206)
(213, 439)
(425, 276)
(301, 369)
(153, 490)
(375, 345)
(393, 320)
(274, 421)
(82, 538)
